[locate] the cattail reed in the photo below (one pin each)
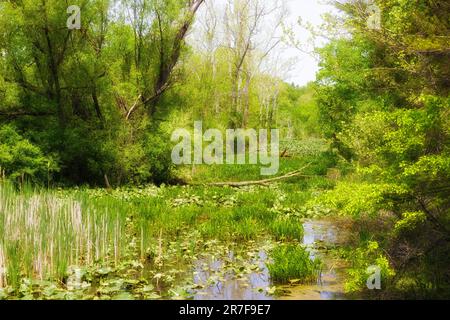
(42, 234)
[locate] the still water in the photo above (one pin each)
(319, 236)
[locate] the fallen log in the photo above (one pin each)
(296, 173)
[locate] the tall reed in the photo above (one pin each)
(43, 233)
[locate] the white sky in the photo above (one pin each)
(311, 11)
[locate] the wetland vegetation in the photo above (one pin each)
(93, 207)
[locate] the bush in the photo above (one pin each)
(323, 162)
(356, 199)
(149, 160)
(367, 255)
(87, 154)
(19, 158)
(410, 222)
(159, 154)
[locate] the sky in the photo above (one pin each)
(306, 66)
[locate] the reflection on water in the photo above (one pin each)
(318, 236)
(247, 287)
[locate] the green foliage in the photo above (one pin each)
(383, 101)
(103, 100)
(302, 148)
(140, 241)
(21, 159)
(298, 113)
(86, 155)
(293, 263)
(96, 107)
(356, 198)
(397, 144)
(147, 161)
(367, 255)
(87, 96)
(339, 84)
(410, 222)
(286, 229)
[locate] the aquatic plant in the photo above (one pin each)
(293, 263)
(43, 234)
(286, 229)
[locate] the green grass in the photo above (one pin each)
(247, 172)
(292, 263)
(286, 229)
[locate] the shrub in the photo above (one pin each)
(148, 160)
(356, 199)
(19, 158)
(410, 222)
(368, 254)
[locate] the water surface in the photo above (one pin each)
(319, 237)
